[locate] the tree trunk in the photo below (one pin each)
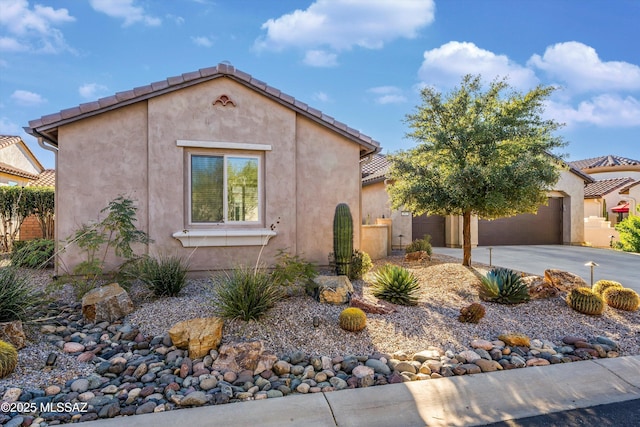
(466, 239)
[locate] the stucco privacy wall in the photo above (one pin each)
(98, 159)
(133, 150)
(571, 187)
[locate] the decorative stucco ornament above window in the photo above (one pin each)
(224, 100)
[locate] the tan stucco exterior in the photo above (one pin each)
(376, 204)
(133, 150)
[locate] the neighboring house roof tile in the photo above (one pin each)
(47, 125)
(604, 161)
(47, 178)
(15, 171)
(626, 188)
(603, 187)
(7, 140)
(375, 170)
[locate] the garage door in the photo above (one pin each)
(429, 224)
(543, 228)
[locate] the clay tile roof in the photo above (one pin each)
(15, 171)
(604, 161)
(603, 187)
(374, 170)
(626, 188)
(47, 178)
(7, 140)
(47, 125)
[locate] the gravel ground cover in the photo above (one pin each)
(446, 287)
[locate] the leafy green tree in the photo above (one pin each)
(15, 206)
(629, 229)
(479, 152)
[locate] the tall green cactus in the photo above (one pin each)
(342, 238)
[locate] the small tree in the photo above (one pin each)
(44, 208)
(479, 152)
(15, 206)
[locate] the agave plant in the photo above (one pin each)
(503, 286)
(396, 284)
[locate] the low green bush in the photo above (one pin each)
(396, 284)
(17, 296)
(292, 269)
(164, 276)
(423, 244)
(245, 293)
(36, 253)
(360, 265)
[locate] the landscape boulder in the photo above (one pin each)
(564, 281)
(240, 356)
(13, 333)
(377, 307)
(199, 336)
(417, 256)
(539, 288)
(332, 289)
(106, 303)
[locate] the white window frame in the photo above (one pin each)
(234, 233)
(225, 190)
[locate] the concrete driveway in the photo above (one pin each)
(622, 267)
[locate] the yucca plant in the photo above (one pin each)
(245, 293)
(164, 276)
(396, 284)
(503, 286)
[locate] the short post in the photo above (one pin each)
(490, 257)
(611, 241)
(592, 265)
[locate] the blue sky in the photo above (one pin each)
(360, 61)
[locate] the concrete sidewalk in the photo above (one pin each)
(455, 401)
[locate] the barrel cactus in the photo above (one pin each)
(352, 319)
(8, 359)
(602, 285)
(472, 313)
(585, 301)
(621, 298)
(342, 239)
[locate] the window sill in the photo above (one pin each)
(238, 237)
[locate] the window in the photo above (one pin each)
(224, 189)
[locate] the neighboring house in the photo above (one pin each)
(615, 191)
(19, 167)
(376, 203)
(222, 167)
(559, 222)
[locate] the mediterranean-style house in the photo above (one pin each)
(222, 167)
(558, 222)
(615, 191)
(20, 167)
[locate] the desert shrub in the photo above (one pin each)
(245, 293)
(292, 269)
(360, 265)
(423, 244)
(629, 229)
(17, 296)
(503, 286)
(396, 284)
(164, 276)
(36, 253)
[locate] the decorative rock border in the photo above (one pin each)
(137, 375)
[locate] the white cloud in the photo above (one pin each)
(339, 25)
(125, 9)
(320, 58)
(32, 29)
(202, 41)
(7, 127)
(445, 65)
(91, 90)
(321, 96)
(581, 69)
(388, 95)
(179, 20)
(26, 98)
(603, 111)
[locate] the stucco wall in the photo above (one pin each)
(375, 240)
(375, 202)
(571, 186)
(133, 150)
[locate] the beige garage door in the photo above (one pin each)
(543, 228)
